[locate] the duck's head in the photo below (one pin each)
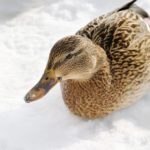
(73, 57)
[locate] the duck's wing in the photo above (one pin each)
(88, 29)
(126, 40)
(131, 65)
(118, 30)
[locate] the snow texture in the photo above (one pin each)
(28, 29)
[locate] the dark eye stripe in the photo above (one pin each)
(79, 52)
(69, 56)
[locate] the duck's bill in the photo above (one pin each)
(40, 89)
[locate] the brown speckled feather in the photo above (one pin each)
(125, 38)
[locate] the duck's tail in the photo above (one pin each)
(131, 5)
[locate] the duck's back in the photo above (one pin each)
(121, 35)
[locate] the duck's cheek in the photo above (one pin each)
(72, 76)
(68, 77)
(62, 72)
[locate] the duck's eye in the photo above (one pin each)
(69, 56)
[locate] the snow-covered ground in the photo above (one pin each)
(28, 29)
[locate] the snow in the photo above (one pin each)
(28, 29)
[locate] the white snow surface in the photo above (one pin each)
(28, 29)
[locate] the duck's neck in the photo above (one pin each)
(102, 68)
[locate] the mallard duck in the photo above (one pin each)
(104, 67)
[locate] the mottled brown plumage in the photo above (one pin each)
(104, 67)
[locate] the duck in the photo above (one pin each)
(103, 67)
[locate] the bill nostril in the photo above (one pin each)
(59, 78)
(46, 78)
